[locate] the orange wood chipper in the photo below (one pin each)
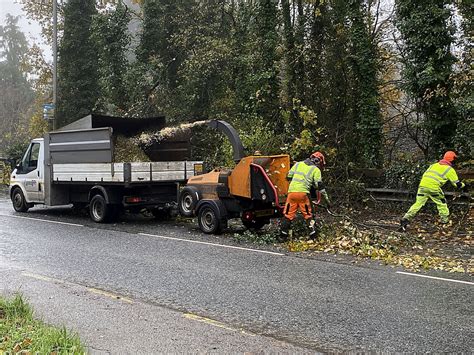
(254, 190)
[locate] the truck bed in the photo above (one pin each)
(133, 172)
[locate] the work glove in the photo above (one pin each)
(326, 198)
(463, 185)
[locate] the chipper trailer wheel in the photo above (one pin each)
(210, 220)
(188, 199)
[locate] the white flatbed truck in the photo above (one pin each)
(76, 167)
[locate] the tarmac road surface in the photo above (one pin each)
(145, 285)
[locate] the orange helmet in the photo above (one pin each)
(319, 157)
(450, 156)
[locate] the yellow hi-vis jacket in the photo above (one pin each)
(303, 176)
(437, 175)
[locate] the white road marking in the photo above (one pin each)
(436, 278)
(43, 220)
(212, 244)
(156, 236)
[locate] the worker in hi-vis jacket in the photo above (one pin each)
(430, 188)
(303, 175)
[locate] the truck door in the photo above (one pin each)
(30, 173)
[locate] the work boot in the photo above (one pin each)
(285, 225)
(313, 229)
(445, 223)
(444, 220)
(404, 224)
(283, 237)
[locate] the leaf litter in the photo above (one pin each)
(425, 246)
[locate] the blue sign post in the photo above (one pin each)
(48, 111)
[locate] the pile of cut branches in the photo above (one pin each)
(414, 251)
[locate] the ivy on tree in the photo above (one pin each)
(78, 84)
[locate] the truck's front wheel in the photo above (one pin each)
(99, 210)
(19, 202)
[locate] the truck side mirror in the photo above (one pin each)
(19, 167)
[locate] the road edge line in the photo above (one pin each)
(213, 244)
(42, 220)
(435, 278)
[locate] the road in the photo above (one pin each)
(259, 300)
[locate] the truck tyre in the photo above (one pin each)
(188, 199)
(19, 202)
(255, 224)
(210, 221)
(99, 210)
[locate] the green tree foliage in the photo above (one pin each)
(291, 75)
(329, 78)
(318, 60)
(160, 56)
(300, 39)
(265, 27)
(14, 48)
(78, 87)
(204, 74)
(365, 94)
(160, 23)
(112, 40)
(16, 93)
(284, 70)
(427, 32)
(289, 84)
(42, 12)
(463, 90)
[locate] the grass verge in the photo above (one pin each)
(21, 333)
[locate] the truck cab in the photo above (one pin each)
(27, 179)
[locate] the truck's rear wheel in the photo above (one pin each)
(209, 220)
(19, 202)
(99, 210)
(187, 201)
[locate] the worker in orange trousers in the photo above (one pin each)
(303, 175)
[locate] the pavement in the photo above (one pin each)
(109, 323)
(142, 285)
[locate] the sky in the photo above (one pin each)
(31, 29)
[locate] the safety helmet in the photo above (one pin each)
(450, 156)
(318, 158)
